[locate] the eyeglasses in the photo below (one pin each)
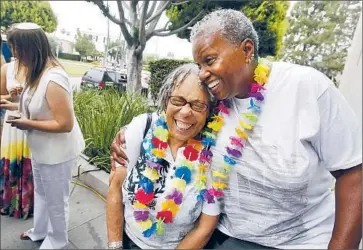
(194, 105)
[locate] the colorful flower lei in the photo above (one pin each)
(237, 143)
(183, 176)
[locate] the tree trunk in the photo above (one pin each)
(134, 67)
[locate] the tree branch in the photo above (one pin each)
(127, 7)
(179, 3)
(141, 6)
(106, 12)
(172, 32)
(165, 27)
(152, 9)
(158, 12)
(133, 12)
(122, 25)
(142, 35)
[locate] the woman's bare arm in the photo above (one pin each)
(201, 233)
(115, 211)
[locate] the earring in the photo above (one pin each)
(248, 60)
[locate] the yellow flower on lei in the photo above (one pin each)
(261, 73)
(200, 185)
(219, 185)
(138, 205)
(202, 178)
(169, 205)
(179, 184)
(242, 134)
(161, 133)
(219, 174)
(225, 166)
(159, 153)
(187, 163)
(145, 224)
(151, 174)
(245, 125)
(203, 168)
(215, 125)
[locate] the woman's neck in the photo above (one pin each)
(248, 80)
(174, 146)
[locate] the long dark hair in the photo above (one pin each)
(30, 46)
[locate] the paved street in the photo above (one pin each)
(87, 224)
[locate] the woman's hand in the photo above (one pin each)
(21, 123)
(8, 105)
(13, 93)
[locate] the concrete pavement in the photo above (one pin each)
(87, 223)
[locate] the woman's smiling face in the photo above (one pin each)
(185, 122)
(222, 65)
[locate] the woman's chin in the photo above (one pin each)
(221, 96)
(182, 136)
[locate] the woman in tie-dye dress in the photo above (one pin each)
(16, 178)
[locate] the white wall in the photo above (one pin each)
(351, 79)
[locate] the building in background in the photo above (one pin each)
(99, 39)
(351, 79)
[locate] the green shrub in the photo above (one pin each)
(159, 69)
(100, 115)
(67, 56)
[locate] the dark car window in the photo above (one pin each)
(94, 75)
(110, 76)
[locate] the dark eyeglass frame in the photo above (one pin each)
(193, 104)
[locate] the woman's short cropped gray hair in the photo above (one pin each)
(174, 79)
(234, 26)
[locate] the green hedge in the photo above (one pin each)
(69, 56)
(100, 114)
(159, 69)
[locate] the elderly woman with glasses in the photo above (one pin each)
(165, 203)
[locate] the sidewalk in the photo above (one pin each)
(87, 223)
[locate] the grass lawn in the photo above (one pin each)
(74, 68)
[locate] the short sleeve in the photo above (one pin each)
(211, 209)
(339, 140)
(134, 136)
(61, 78)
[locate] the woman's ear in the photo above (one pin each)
(248, 47)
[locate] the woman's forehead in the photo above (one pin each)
(207, 42)
(190, 88)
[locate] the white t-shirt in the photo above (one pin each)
(190, 209)
(279, 193)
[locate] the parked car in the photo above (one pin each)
(101, 78)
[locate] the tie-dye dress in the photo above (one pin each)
(16, 177)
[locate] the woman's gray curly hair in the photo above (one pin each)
(174, 79)
(233, 25)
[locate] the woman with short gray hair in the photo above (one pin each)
(165, 206)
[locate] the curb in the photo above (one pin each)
(97, 180)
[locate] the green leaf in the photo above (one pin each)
(38, 12)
